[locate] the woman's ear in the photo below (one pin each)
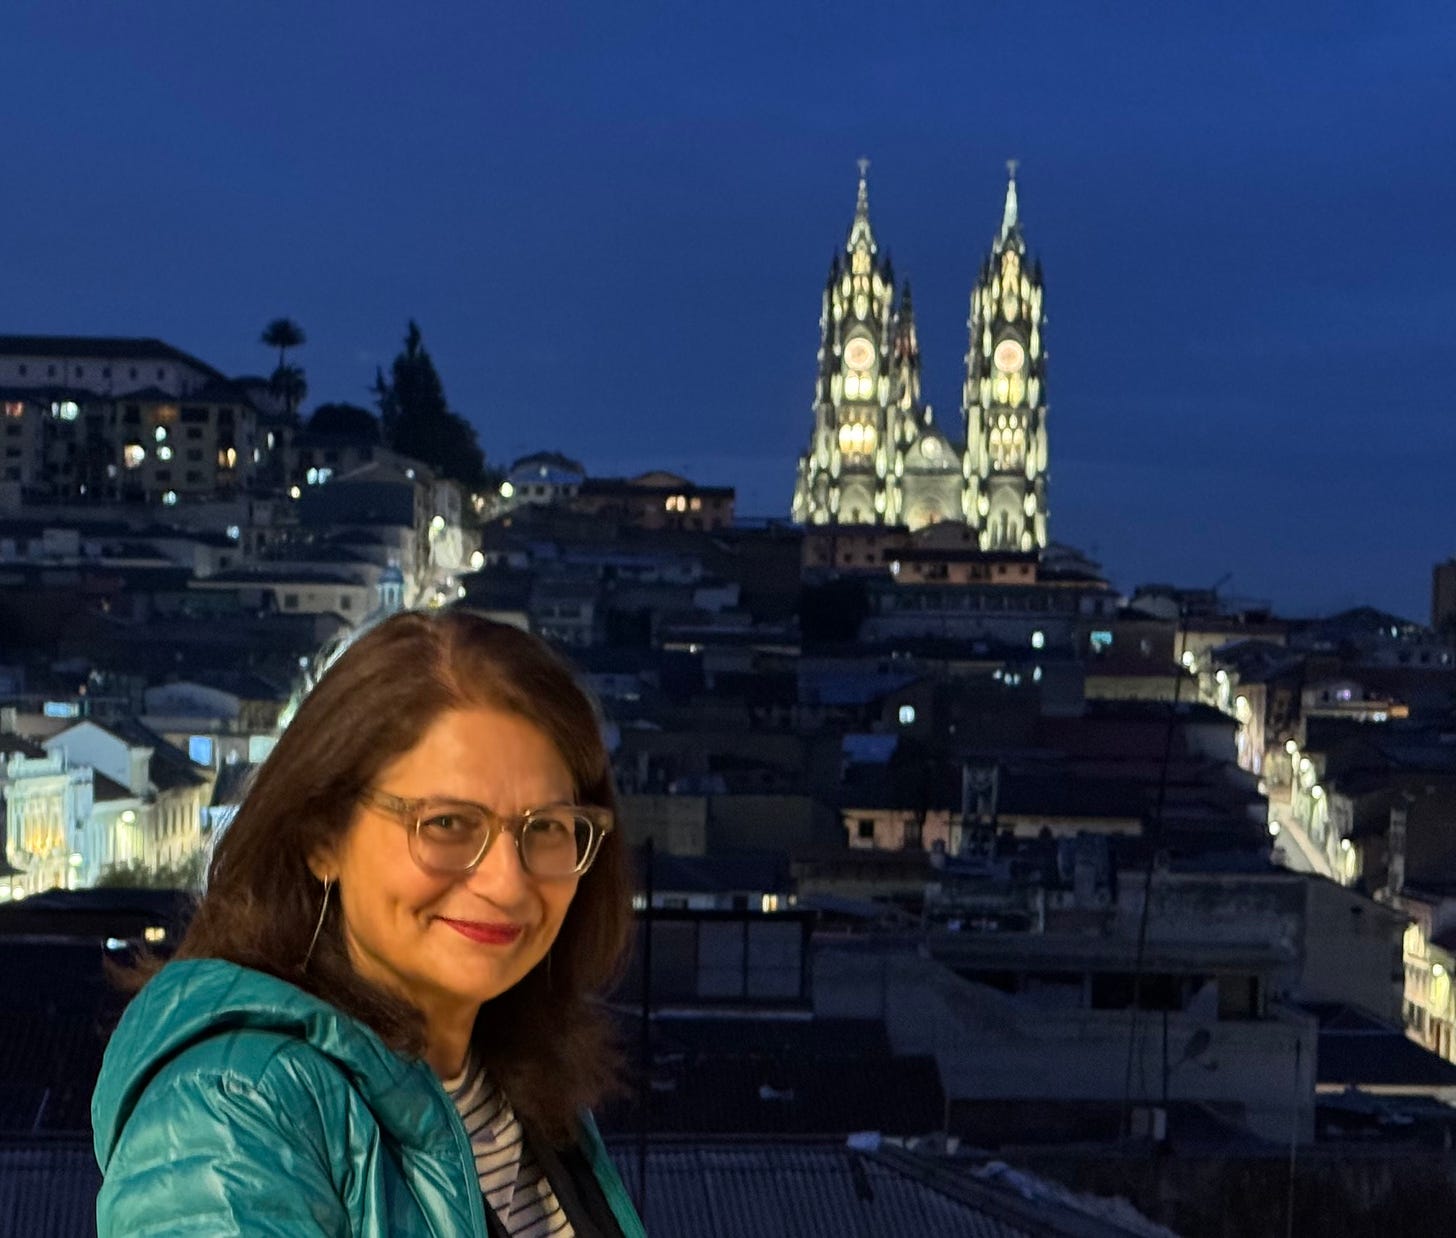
(322, 863)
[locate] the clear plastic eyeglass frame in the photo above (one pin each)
(416, 814)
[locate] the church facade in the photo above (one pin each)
(876, 455)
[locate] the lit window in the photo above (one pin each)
(133, 455)
(1038, 640)
(164, 452)
(14, 408)
(169, 498)
(234, 532)
(66, 410)
(907, 714)
(154, 933)
(161, 434)
(856, 439)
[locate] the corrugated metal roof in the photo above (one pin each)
(792, 1191)
(48, 1189)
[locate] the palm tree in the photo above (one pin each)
(289, 385)
(283, 334)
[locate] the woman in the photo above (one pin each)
(381, 1020)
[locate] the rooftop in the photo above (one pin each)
(786, 1190)
(100, 347)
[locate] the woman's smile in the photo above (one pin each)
(500, 934)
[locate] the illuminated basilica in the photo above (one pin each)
(876, 455)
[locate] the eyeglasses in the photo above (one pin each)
(451, 837)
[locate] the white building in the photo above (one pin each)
(169, 791)
(48, 803)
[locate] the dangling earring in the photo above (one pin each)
(318, 928)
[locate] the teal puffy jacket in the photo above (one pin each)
(231, 1102)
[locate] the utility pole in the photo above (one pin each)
(644, 1095)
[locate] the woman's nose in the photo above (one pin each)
(500, 875)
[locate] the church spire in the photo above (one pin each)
(860, 230)
(1008, 217)
(1004, 398)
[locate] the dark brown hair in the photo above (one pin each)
(546, 1041)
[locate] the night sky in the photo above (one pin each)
(613, 223)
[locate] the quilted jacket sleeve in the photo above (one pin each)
(212, 1151)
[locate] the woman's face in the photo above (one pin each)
(451, 943)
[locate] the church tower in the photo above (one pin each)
(1005, 462)
(846, 475)
(926, 475)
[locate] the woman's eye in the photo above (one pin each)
(450, 823)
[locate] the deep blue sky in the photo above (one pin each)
(613, 222)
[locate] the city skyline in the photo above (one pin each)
(614, 231)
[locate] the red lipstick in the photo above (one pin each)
(486, 934)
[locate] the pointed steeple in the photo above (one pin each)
(1004, 396)
(860, 230)
(1009, 221)
(906, 346)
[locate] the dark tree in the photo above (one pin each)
(283, 334)
(345, 419)
(418, 422)
(289, 386)
(185, 875)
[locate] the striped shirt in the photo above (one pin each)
(513, 1183)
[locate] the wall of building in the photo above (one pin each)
(1352, 950)
(988, 1046)
(676, 824)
